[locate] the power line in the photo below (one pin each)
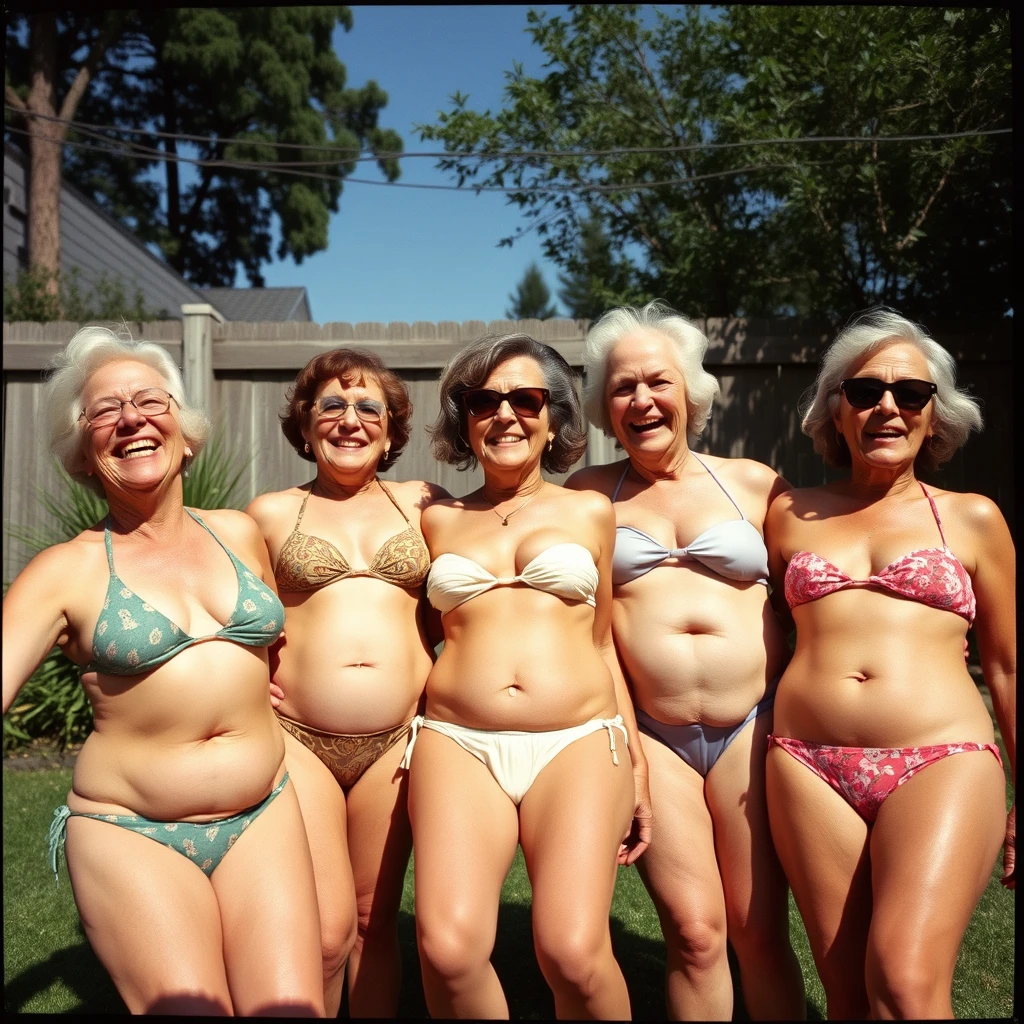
(361, 155)
(156, 154)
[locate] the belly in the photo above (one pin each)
(355, 659)
(872, 670)
(195, 738)
(518, 659)
(696, 649)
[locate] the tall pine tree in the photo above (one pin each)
(531, 300)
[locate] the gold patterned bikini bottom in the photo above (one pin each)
(347, 757)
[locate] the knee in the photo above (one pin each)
(572, 957)
(337, 937)
(698, 941)
(452, 946)
(903, 984)
(376, 916)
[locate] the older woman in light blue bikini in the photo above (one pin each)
(701, 650)
(169, 613)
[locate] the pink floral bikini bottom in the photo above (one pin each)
(865, 776)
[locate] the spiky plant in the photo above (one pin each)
(52, 703)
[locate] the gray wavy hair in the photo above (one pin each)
(955, 413)
(86, 352)
(688, 341)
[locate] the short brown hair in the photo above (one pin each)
(354, 365)
(469, 369)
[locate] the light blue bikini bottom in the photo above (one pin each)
(203, 842)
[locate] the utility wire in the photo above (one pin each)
(157, 154)
(364, 155)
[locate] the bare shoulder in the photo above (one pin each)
(418, 494)
(439, 510)
(589, 503)
(59, 566)
(596, 478)
(753, 476)
(795, 501)
(273, 505)
(976, 512)
(230, 524)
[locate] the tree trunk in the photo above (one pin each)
(45, 140)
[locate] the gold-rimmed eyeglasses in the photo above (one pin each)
(107, 410)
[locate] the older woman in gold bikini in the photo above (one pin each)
(350, 563)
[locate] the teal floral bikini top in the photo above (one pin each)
(132, 637)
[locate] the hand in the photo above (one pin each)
(276, 695)
(639, 836)
(1009, 849)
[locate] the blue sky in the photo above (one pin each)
(409, 254)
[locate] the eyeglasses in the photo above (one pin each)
(148, 401)
(867, 392)
(524, 401)
(332, 407)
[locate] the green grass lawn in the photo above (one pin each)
(49, 967)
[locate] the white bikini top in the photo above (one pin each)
(733, 549)
(565, 570)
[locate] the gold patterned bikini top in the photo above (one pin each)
(307, 562)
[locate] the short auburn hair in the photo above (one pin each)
(351, 366)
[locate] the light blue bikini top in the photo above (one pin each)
(132, 637)
(733, 549)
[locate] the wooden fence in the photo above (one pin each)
(239, 373)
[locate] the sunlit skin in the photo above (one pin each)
(696, 647)
(516, 658)
(354, 661)
(193, 739)
(872, 669)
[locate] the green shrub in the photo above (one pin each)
(52, 703)
(28, 297)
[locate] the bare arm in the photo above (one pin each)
(995, 628)
(775, 521)
(34, 617)
(640, 834)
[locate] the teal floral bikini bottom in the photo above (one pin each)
(203, 842)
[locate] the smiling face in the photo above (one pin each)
(886, 436)
(348, 444)
(645, 394)
(508, 439)
(138, 452)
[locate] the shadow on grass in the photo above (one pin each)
(78, 968)
(642, 961)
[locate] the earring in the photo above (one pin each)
(305, 447)
(186, 463)
(551, 442)
(387, 453)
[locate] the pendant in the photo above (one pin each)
(504, 521)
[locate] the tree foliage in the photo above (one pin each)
(594, 279)
(532, 299)
(28, 296)
(809, 229)
(266, 76)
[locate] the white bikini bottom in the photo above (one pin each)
(514, 758)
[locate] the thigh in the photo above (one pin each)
(380, 837)
(822, 843)
(464, 835)
(932, 851)
(151, 916)
(752, 877)
(267, 896)
(680, 868)
(324, 818)
(571, 823)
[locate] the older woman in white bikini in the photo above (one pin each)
(701, 650)
(885, 786)
(350, 564)
(525, 734)
(169, 613)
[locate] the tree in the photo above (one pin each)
(531, 300)
(594, 279)
(257, 88)
(646, 119)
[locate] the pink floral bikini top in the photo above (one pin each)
(933, 576)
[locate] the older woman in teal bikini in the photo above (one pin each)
(885, 786)
(350, 565)
(170, 613)
(701, 650)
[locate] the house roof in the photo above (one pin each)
(260, 304)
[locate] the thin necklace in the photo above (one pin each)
(505, 519)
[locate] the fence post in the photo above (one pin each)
(197, 352)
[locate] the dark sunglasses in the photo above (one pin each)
(867, 392)
(524, 401)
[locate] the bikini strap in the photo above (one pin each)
(393, 502)
(622, 480)
(935, 512)
(720, 484)
(302, 507)
(109, 545)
